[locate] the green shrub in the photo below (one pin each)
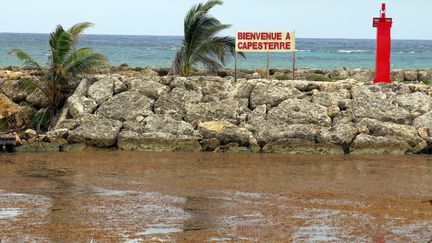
(318, 77)
(283, 77)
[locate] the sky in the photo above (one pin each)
(310, 18)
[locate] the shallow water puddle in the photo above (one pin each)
(154, 231)
(6, 213)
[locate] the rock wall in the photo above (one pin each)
(131, 111)
(257, 115)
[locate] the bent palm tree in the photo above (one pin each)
(201, 43)
(64, 63)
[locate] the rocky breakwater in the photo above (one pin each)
(271, 116)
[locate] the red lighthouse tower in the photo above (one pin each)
(383, 25)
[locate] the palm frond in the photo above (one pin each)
(31, 85)
(61, 44)
(176, 67)
(201, 43)
(87, 63)
(78, 29)
(28, 60)
(209, 62)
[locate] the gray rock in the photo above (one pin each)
(365, 92)
(149, 88)
(379, 109)
(119, 86)
(415, 102)
(362, 75)
(176, 101)
(243, 88)
(410, 75)
(331, 98)
(38, 147)
(37, 98)
(8, 107)
(80, 105)
(210, 144)
(400, 132)
(217, 110)
(101, 90)
(272, 94)
(295, 111)
(158, 142)
(257, 116)
(397, 75)
(342, 134)
(160, 123)
(95, 130)
(424, 120)
(299, 146)
(225, 132)
(13, 90)
(271, 131)
(126, 106)
(216, 87)
(367, 144)
(58, 133)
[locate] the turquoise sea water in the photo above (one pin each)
(159, 51)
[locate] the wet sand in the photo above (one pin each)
(195, 197)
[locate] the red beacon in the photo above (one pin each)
(383, 49)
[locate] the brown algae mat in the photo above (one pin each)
(114, 196)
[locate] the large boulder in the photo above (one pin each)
(379, 109)
(149, 88)
(296, 111)
(126, 106)
(257, 117)
(160, 123)
(363, 92)
(298, 146)
(410, 75)
(341, 134)
(214, 88)
(415, 102)
(80, 105)
(13, 90)
(37, 98)
(243, 88)
(271, 131)
(424, 120)
(176, 101)
(101, 90)
(272, 94)
(95, 130)
(8, 107)
(367, 144)
(216, 110)
(406, 133)
(157, 142)
(331, 98)
(225, 132)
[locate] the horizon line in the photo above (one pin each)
(159, 35)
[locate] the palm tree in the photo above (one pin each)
(64, 63)
(201, 43)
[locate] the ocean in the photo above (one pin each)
(158, 51)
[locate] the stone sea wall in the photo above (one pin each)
(148, 112)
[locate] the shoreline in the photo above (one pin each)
(310, 74)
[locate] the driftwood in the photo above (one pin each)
(81, 89)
